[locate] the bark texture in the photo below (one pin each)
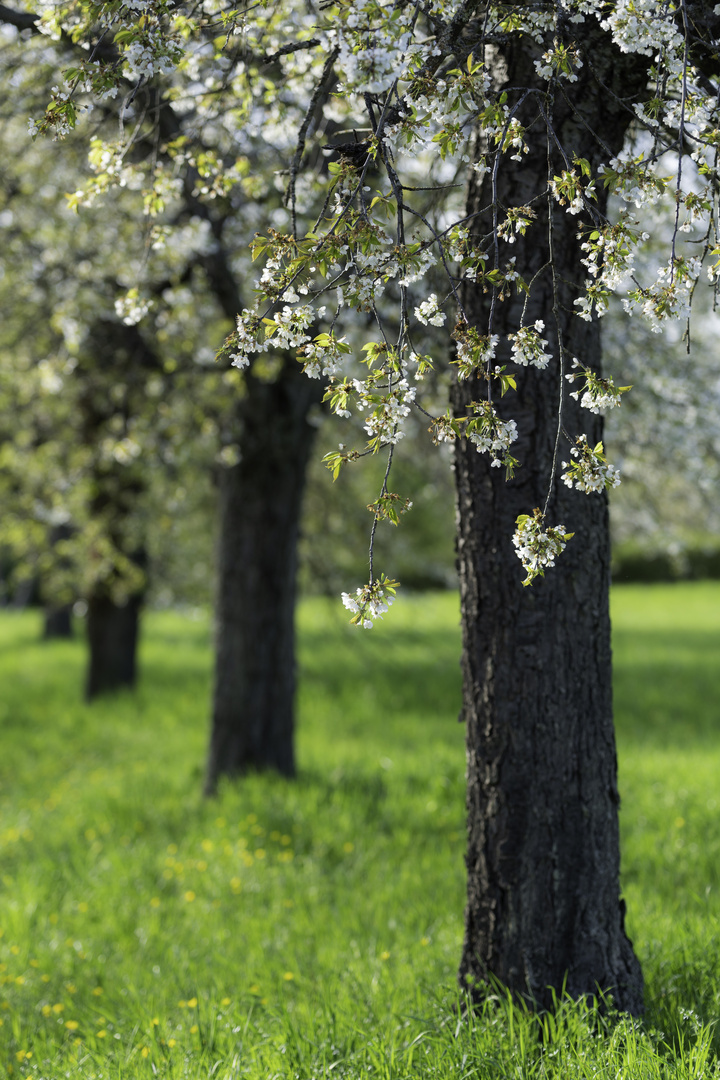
(544, 911)
(260, 503)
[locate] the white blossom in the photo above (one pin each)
(528, 348)
(429, 313)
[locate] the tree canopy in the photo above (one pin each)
(406, 101)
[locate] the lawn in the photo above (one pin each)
(312, 930)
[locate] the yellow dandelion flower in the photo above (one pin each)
(98, 991)
(288, 976)
(385, 955)
(182, 1004)
(194, 1029)
(45, 978)
(225, 1001)
(144, 1051)
(348, 847)
(192, 1003)
(101, 1034)
(260, 853)
(72, 1025)
(425, 941)
(15, 950)
(154, 1022)
(34, 963)
(71, 988)
(254, 989)
(20, 980)
(171, 1043)
(20, 1055)
(58, 1008)
(155, 902)
(189, 896)
(82, 907)
(46, 1010)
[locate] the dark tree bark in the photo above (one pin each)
(114, 366)
(112, 630)
(544, 911)
(260, 502)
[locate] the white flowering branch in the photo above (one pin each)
(399, 85)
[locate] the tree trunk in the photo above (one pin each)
(260, 502)
(544, 911)
(58, 622)
(58, 607)
(114, 366)
(112, 631)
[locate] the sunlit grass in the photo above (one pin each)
(313, 929)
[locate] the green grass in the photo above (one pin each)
(312, 930)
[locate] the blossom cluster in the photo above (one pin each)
(528, 348)
(598, 394)
(475, 351)
(386, 411)
(537, 545)
(589, 471)
(491, 435)
(323, 356)
(245, 341)
(370, 602)
(131, 307)
(428, 313)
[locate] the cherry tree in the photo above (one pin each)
(89, 413)
(185, 232)
(472, 148)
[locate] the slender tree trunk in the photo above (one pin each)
(112, 631)
(544, 911)
(58, 622)
(115, 364)
(260, 503)
(58, 611)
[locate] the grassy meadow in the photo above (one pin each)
(312, 930)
